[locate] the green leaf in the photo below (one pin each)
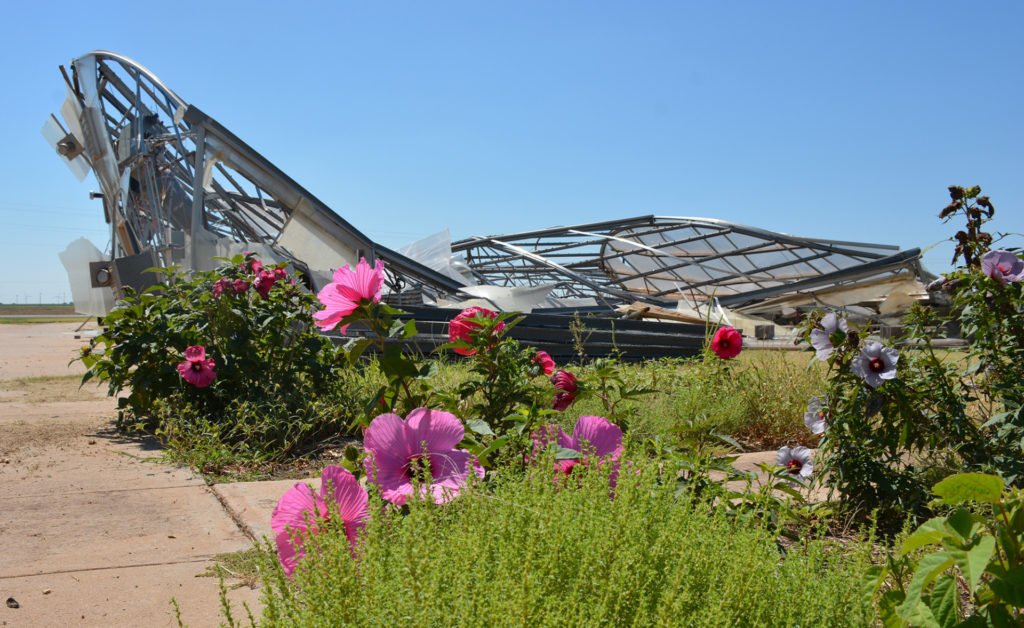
(930, 532)
(943, 601)
(964, 523)
(389, 310)
(996, 419)
(428, 370)
(355, 347)
(480, 427)
(872, 581)
(887, 605)
(927, 570)
(402, 330)
(395, 364)
(964, 487)
(565, 453)
(1010, 587)
(88, 375)
(972, 562)
(486, 454)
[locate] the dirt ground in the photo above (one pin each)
(96, 531)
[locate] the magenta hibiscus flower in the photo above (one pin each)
(264, 282)
(462, 326)
(567, 387)
(398, 451)
(349, 290)
(303, 511)
(727, 343)
(219, 286)
(197, 369)
(593, 437)
(547, 365)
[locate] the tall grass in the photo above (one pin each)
(526, 553)
(759, 399)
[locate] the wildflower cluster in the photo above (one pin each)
(893, 418)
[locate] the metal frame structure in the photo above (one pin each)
(179, 188)
(660, 260)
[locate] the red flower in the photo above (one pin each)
(567, 387)
(219, 286)
(197, 369)
(547, 365)
(727, 343)
(240, 286)
(264, 282)
(462, 326)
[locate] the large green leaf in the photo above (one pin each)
(972, 562)
(966, 487)
(930, 567)
(943, 601)
(397, 365)
(931, 532)
(480, 427)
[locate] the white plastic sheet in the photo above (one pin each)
(88, 300)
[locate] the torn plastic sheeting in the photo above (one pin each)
(435, 252)
(843, 296)
(88, 300)
(515, 299)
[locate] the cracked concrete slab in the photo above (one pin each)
(251, 503)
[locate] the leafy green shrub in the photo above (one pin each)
(269, 365)
(898, 420)
(976, 555)
(529, 552)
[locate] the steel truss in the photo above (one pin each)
(661, 259)
(177, 186)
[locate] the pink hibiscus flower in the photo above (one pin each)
(727, 343)
(197, 369)
(547, 365)
(349, 290)
(595, 438)
(462, 326)
(240, 286)
(302, 512)
(399, 450)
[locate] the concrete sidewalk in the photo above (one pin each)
(95, 531)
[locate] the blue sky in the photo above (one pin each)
(838, 120)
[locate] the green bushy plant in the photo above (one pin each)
(270, 364)
(965, 568)
(898, 424)
(532, 552)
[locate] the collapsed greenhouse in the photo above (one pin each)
(179, 189)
